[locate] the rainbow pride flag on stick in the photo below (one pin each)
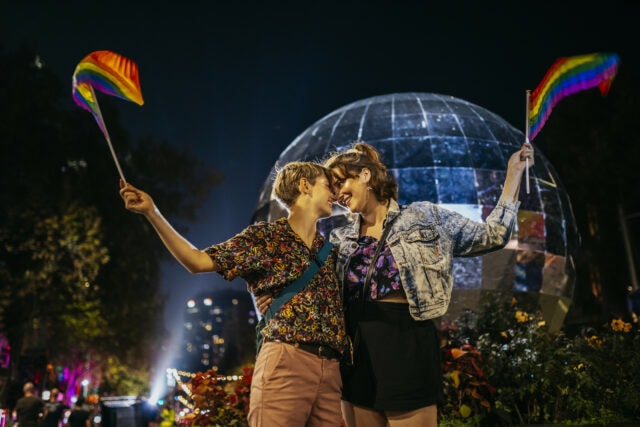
(109, 73)
(567, 76)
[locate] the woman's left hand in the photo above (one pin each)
(519, 159)
(515, 169)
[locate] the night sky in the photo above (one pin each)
(237, 81)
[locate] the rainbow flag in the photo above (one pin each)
(567, 76)
(109, 73)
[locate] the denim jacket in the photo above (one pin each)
(423, 240)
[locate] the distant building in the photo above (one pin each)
(219, 331)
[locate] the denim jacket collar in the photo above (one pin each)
(392, 213)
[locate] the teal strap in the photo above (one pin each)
(301, 281)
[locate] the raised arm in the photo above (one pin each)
(473, 238)
(192, 258)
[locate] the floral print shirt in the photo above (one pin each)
(385, 278)
(270, 256)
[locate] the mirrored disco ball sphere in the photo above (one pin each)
(448, 151)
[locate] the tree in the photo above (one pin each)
(75, 267)
(52, 298)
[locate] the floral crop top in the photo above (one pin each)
(385, 279)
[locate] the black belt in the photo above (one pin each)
(322, 351)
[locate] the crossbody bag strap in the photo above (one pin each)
(295, 287)
(374, 260)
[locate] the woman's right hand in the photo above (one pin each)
(135, 200)
(263, 302)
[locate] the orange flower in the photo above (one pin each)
(521, 316)
(618, 325)
(594, 341)
(456, 352)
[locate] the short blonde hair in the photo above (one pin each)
(285, 186)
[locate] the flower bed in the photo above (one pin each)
(502, 367)
(509, 369)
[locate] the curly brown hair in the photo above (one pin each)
(362, 155)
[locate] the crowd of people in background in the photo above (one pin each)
(33, 405)
(31, 410)
(54, 410)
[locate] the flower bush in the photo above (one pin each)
(534, 376)
(467, 390)
(217, 403)
(502, 366)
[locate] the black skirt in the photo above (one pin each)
(397, 361)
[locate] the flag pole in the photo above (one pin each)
(526, 138)
(105, 132)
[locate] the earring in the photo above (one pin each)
(369, 188)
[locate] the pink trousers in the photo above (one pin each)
(294, 388)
